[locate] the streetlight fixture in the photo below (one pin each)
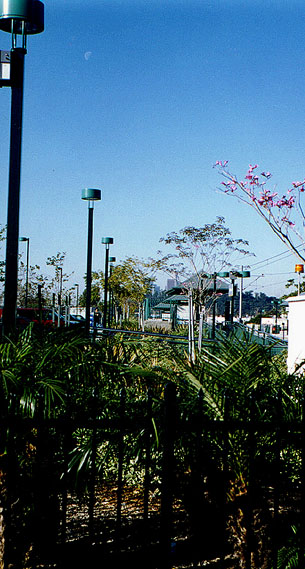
(106, 241)
(111, 261)
(233, 275)
(242, 276)
(77, 296)
(27, 240)
(213, 276)
(59, 273)
(90, 195)
(59, 295)
(17, 17)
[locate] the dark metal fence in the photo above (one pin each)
(157, 484)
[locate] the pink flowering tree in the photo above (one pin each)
(283, 212)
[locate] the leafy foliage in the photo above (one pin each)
(210, 248)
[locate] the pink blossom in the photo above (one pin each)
(251, 168)
(284, 202)
(267, 199)
(286, 220)
(266, 174)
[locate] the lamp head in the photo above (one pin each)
(91, 194)
(24, 17)
(107, 240)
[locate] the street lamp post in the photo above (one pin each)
(27, 240)
(111, 261)
(17, 17)
(276, 302)
(213, 276)
(106, 241)
(59, 296)
(59, 270)
(242, 275)
(233, 275)
(77, 296)
(91, 195)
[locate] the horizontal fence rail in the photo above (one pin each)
(155, 482)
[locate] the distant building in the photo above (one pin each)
(171, 283)
(178, 296)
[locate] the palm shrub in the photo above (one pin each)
(37, 371)
(292, 555)
(236, 382)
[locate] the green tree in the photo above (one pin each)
(199, 251)
(95, 295)
(35, 278)
(291, 283)
(60, 278)
(131, 281)
(50, 283)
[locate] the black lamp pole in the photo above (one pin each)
(27, 239)
(12, 231)
(17, 18)
(110, 311)
(107, 241)
(90, 195)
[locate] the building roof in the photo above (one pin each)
(161, 306)
(207, 285)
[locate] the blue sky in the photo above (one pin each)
(140, 98)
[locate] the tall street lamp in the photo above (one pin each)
(77, 296)
(111, 261)
(213, 276)
(27, 240)
(106, 241)
(59, 274)
(17, 17)
(241, 275)
(90, 195)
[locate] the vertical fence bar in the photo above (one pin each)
(67, 439)
(250, 493)
(277, 474)
(196, 480)
(225, 472)
(64, 496)
(122, 410)
(8, 474)
(93, 468)
(167, 475)
(147, 455)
